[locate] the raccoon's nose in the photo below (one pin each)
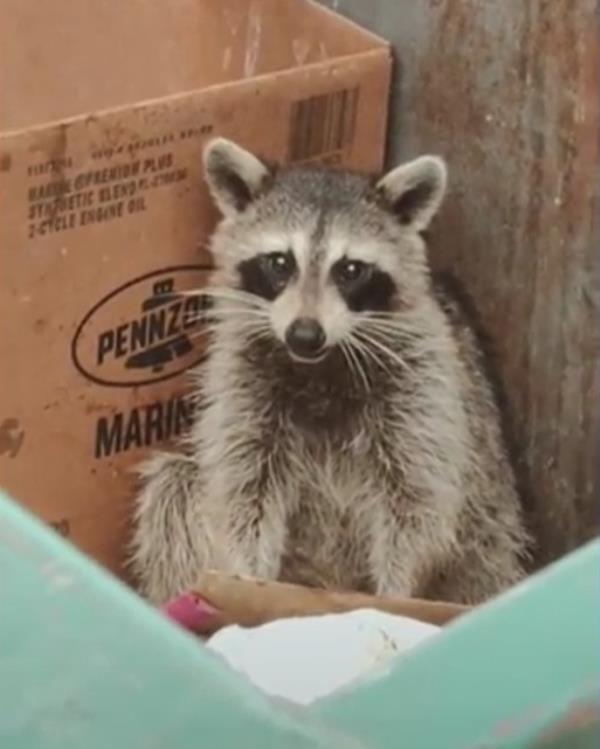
(305, 337)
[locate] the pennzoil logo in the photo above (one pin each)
(147, 330)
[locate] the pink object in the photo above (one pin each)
(189, 611)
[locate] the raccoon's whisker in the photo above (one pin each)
(354, 365)
(382, 333)
(368, 353)
(224, 310)
(207, 320)
(370, 356)
(394, 319)
(180, 293)
(237, 294)
(242, 312)
(365, 356)
(257, 335)
(396, 330)
(384, 324)
(245, 325)
(387, 329)
(370, 318)
(240, 325)
(370, 340)
(361, 368)
(379, 314)
(195, 335)
(217, 292)
(229, 290)
(385, 350)
(349, 358)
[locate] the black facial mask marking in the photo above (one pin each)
(267, 275)
(363, 286)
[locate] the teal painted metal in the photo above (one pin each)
(502, 677)
(86, 664)
(577, 728)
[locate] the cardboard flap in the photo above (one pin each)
(65, 58)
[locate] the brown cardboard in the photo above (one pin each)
(251, 602)
(106, 107)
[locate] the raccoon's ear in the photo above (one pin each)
(414, 191)
(234, 175)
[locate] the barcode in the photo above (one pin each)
(322, 125)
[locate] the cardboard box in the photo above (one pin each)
(106, 107)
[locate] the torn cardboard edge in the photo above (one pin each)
(218, 600)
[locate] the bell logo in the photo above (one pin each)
(148, 330)
(156, 309)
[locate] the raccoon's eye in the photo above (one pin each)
(280, 264)
(351, 271)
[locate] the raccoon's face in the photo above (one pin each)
(317, 254)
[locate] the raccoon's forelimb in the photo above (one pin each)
(249, 517)
(405, 549)
(171, 542)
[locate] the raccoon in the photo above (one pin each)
(346, 432)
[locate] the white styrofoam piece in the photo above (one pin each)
(306, 658)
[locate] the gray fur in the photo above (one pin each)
(384, 465)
